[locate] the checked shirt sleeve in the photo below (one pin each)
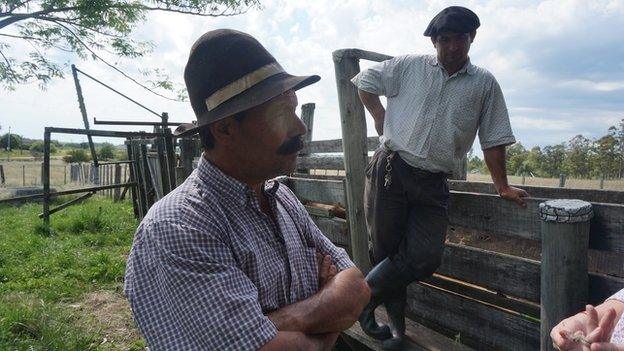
(494, 125)
(189, 294)
(618, 332)
(326, 247)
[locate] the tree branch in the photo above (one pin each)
(113, 67)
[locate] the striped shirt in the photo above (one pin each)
(432, 119)
(207, 264)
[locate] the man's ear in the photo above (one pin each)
(222, 131)
(473, 34)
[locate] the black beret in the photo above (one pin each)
(453, 19)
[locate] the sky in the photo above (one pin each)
(560, 63)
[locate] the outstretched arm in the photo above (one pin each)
(495, 160)
(334, 308)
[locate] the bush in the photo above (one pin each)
(77, 155)
(36, 148)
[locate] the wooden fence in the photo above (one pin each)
(483, 297)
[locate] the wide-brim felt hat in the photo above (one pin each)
(229, 72)
(456, 19)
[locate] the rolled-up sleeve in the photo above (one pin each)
(494, 125)
(381, 79)
(187, 292)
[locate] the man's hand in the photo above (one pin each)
(514, 194)
(576, 333)
(327, 270)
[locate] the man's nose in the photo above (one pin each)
(299, 128)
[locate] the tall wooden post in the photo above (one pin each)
(307, 116)
(133, 178)
(188, 150)
(562, 180)
(85, 118)
(565, 237)
(117, 180)
(2, 180)
(355, 153)
(171, 157)
(23, 175)
(45, 179)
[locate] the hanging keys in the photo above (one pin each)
(388, 176)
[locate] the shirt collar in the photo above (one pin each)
(227, 186)
(467, 68)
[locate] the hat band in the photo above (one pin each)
(242, 84)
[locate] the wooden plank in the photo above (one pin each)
(323, 191)
(335, 145)
(591, 195)
(335, 229)
(506, 274)
(511, 275)
(419, 337)
(475, 324)
(602, 286)
(320, 162)
(362, 54)
(495, 299)
(494, 215)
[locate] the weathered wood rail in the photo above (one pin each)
(482, 298)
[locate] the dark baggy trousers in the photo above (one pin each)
(407, 218)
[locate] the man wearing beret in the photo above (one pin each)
(435, 107)
(230, 260)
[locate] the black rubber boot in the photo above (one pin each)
(396, 314)
(382, 280)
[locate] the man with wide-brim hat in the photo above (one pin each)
(436, 104)
(230, 260)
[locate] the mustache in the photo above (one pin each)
(291, 146)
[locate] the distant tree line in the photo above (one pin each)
(579, 157)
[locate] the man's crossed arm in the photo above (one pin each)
(314, 323)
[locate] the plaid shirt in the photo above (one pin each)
(207, 264)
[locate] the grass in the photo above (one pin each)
(49, 277)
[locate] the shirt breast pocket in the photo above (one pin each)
(466, 111)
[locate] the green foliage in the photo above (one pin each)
(106, 152)
(87, 29)
(77, 155)
(579, 157)
(43, 271)
(36, 148)
(16, 141)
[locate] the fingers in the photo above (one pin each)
(592, 320)
(332, 271)
(607, 324)
(560, 340)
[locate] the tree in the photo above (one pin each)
(577, 158)
(16, 141)
(106, 151)
(553, 156)
(89, 29)
(606, 160)
(516, 156)
(534, 162)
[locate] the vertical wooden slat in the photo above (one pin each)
(46, 177)
(131, 171)
(117, 180)
(355, 153)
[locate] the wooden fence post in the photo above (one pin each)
(2, 179)
(23, 175)
(307, 117)
(355, 153)
(45, 176)
(602, 179)
(562, 180)
(64, 174)
(117, 181)
(188, 149)
(565, 238)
